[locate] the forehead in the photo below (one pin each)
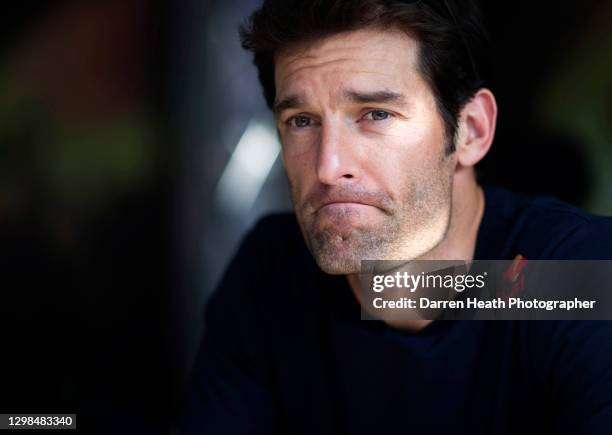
(385, 58)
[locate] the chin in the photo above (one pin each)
(338, 265)
(340, 252)
(337, 255)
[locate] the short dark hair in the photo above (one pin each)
(450, 33)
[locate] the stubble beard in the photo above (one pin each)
(409, 231)
(342, 253)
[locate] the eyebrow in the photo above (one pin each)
(290, 102)
(383, 96)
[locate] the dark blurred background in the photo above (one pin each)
(136, 150)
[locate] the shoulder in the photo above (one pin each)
(568, 232)
(542, 227)
(274, 236)
(267, 254)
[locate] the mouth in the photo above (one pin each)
(345, 200)
(343, 204)
(347, 209)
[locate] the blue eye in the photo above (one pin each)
(300, 121)
(378, 115)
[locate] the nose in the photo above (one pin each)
(337, 160)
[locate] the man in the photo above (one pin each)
(382, 114)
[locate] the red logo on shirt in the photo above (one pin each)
(514, 278)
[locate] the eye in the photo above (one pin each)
(377, 115)
(299, 121)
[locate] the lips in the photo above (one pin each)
(345, 198)
(343, 205)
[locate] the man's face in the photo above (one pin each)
(364, 149)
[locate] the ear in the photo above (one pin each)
(476, 128)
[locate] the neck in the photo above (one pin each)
(459, 242)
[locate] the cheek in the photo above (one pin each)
(299, 168)
(400, 154)
(409, 156)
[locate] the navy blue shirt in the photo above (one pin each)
(285, 351)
